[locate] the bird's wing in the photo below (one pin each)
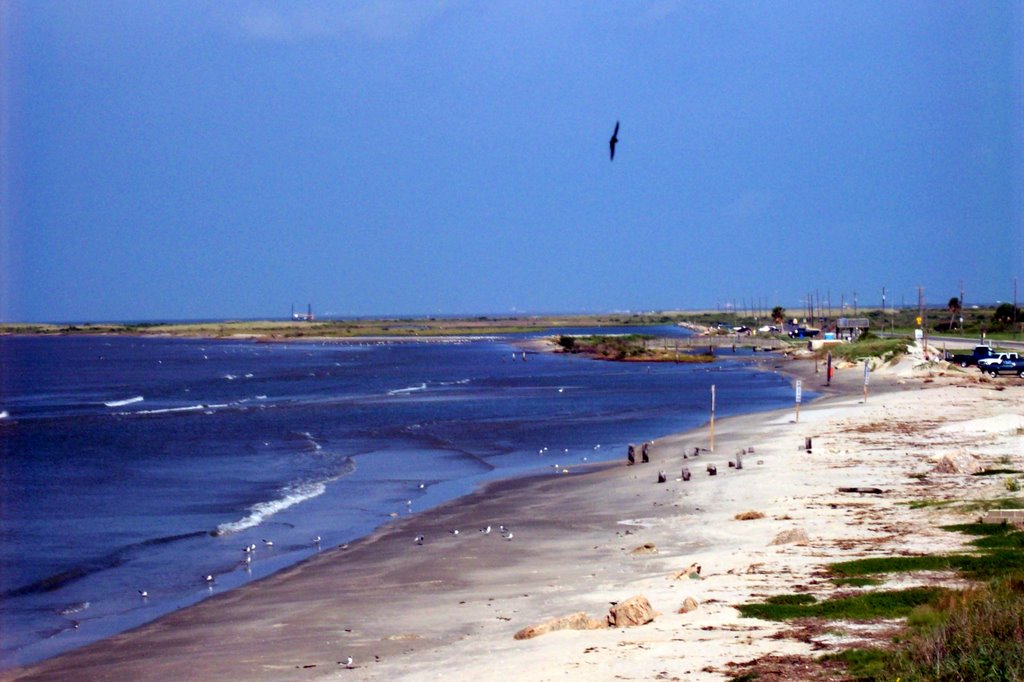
(616, 129)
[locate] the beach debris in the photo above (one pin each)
(662, 477)
(689, 604)
(794, 536)
(634, 611)
(686, 474)
(957, 463)
(739, 460)
(575, 621)
(749, 516)
(692, 572)
(712, 470)
(873, 491)
(646, 548)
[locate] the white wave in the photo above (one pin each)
(126, 401)
(74, 608)
(4, 414)
(230, 377)
(187, 408)
(455, 383)
(261, 397)
(410, 389)
(261, 511)
(312, 441)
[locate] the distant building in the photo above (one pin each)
(303, 317)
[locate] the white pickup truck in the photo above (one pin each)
(996, 359)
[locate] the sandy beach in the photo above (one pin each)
(579, 541)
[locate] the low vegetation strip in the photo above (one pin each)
(627, 347)
(880, 604)
(869, 346)
(950, 635)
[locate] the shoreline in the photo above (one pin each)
(463, 597)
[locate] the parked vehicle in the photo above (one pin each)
(985, 363)
(803, 333)
(965, 360)
(1006, 366)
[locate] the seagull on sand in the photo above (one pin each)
(614, 141)
(454, 531)
(420, 539)
(486, 530)
(348, 662)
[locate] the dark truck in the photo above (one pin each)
(1006, 366)
(964, 360)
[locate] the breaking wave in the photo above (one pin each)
(126, 401)
(291, 496)
(408, 389)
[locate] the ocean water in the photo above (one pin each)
(148, 464)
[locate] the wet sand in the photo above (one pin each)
(448, 609)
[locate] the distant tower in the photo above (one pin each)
(309, 312)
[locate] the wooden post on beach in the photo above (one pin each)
(712, 418)
(867, 373)
(799, 395)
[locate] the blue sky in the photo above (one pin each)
(224, 159)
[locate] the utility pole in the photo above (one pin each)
(855, 303)
(920, 317)
(961, 306)
(1014, 308)
(883, 299)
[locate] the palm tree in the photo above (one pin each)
(954, 309)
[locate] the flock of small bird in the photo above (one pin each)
(504, 530)
(248, 552)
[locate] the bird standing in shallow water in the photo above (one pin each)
(614, 141)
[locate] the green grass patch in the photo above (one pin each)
(863, 664)
(979, 529)
(882, 604)
(923, 504)
(894, 564)
(791, 599)
(997, 503)
(975, 634)
(856, 582)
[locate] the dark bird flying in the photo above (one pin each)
(614, 141)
